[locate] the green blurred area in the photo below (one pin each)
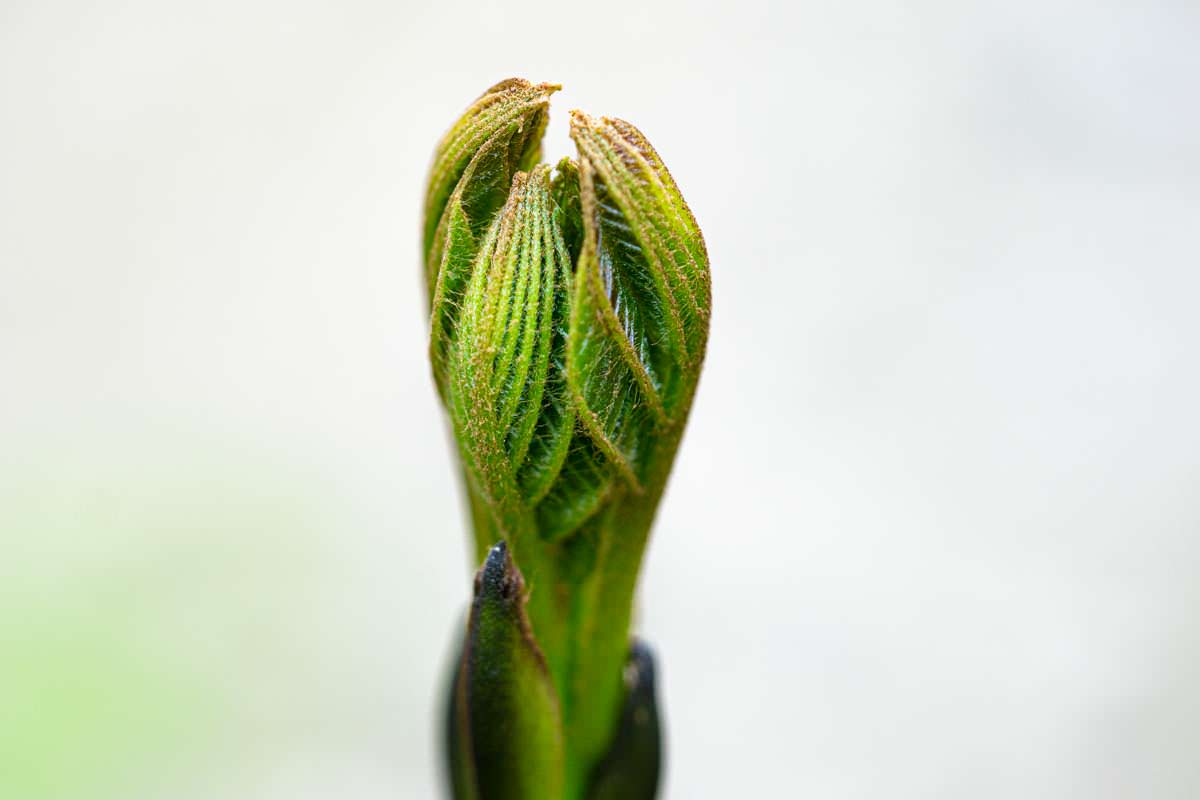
(136, 595)
(86, 709)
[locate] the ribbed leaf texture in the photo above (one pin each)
(500, 134)
(640, 321)
(569, 315)
(507, 388)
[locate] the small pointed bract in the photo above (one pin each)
(509, 738)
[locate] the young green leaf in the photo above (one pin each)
(639, 322)
(507, 390)
(569, 322)
(473, 166)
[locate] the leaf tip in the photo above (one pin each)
(498, 578)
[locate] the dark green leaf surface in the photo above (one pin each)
(630, 770)
(460, 771)
(507, 709)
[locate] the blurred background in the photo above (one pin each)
(933, 529)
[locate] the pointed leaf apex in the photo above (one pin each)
(499, 578)
(581, 119)
(509, 722)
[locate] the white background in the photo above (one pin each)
(933, 530)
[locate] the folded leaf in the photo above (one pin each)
(507, 388)
(569, 319)
(473, 166)
(639, 321)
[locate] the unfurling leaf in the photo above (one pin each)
(569, 317)
(640, 318)
(473, 166)
(507, 388)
